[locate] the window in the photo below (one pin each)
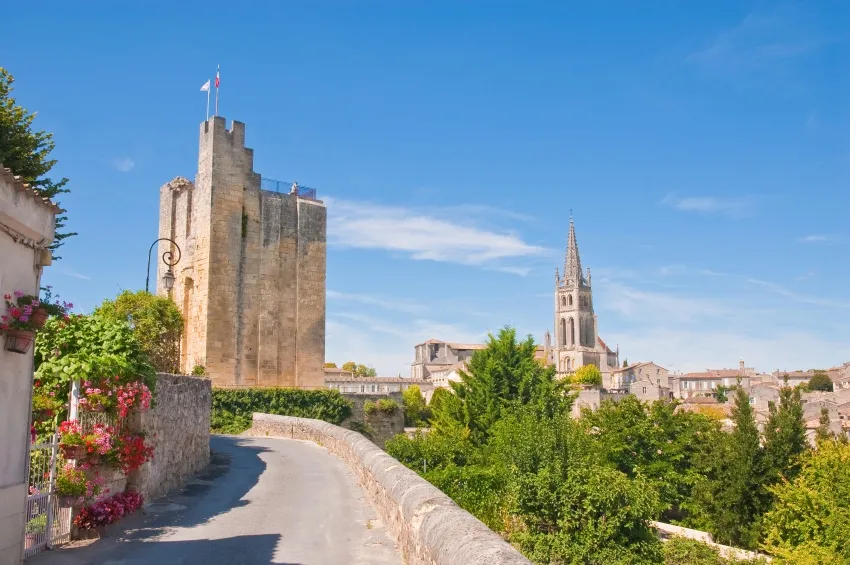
(571, 299)
(644, 390)
(563, 301)
(572, 332)
(563, 332)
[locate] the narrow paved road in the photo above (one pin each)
(264, 500)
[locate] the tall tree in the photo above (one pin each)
(820, 381)
(728, 501)
(156, 323)
(503, 374)
(823, 432)
(784, 436)
(27, 152)
(415, 409)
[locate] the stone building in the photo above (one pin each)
(27, 222)
(251, 279)
(577, 342)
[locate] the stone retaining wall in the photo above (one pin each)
(428, 526)
(179, 427)
(383, 426)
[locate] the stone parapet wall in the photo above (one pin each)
(179, 427)
(429, 528)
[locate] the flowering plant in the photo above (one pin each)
(100, 441)
(72, 481)
(52, 304)
(70, 434)
(132, 452)
(96, 399)
(19, 309)
(132, 395)
(109, 510)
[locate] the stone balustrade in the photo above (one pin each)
(429, 528)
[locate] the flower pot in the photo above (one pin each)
(19, 341)
(69, 500)
(39, 317)
(93, 408)
(72, 451)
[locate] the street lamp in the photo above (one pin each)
(167, 258)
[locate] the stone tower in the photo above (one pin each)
(576, 339)
(251, 279)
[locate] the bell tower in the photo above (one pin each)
(575, 323)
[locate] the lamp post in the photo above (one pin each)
(167, 258)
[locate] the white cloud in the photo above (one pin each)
(732, 207)
(424, 237)
(814, 238)
(386, 303)
(802, 298)
(74, 274)
(635, 304)
(124, 164)
(761, 38)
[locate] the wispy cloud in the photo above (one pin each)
(74, 274)
(124, 164)
(733, 207)
(814, 238)
(760, 38)
(392, 304)
(425, 237)
(802, 298)
(637, 304)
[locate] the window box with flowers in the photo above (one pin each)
(74, 486)
(25, 315)
(72, 443)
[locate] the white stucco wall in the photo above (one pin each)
(26, 227)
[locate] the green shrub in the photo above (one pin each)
(232, 409)
(370, 407)
(680, 551)
(199, 370)
(388, 405)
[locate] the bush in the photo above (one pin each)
(388, 405)
(232, 409)
(679, 550)
(199, 370)
(415, 409)
(370, 407)
(587, 375)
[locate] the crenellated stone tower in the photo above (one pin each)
(251, 279)
(577, 341)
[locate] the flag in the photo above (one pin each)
(217, 80)
(206, 87)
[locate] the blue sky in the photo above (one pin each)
(703, 150)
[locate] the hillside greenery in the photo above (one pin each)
(584, 490)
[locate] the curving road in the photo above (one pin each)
(263, 500)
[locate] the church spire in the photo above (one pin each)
(572, 262)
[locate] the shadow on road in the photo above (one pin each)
(235, 467)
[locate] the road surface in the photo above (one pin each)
(263, 500)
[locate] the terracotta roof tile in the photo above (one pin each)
(21, 186)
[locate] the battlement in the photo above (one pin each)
(218, 125)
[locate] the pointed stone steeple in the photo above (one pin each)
(573, 275)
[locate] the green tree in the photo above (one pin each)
(784, 436)
(415, 409)
(503, 374)
(728, 499)
(587, 375)
(823, 433)
(820, 381)
(364, 371)
(156, 323)
(625, 363)
(27, 152)
(330, 365)
(810, 520)
(349, 366)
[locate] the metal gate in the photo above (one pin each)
(47, 524)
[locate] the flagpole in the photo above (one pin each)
(218, 68)
(208, 104)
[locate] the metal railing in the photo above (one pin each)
(47, 523)
(287, 188)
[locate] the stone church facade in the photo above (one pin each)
(577, 342)
(251, 279)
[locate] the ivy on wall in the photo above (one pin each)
(232, 409)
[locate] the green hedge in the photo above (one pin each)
(232, 408)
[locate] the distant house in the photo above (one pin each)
(646, 371)
(436, 356)
(374, 385)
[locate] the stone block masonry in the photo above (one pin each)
(429, 528)
(251, 281)
(179, 427)
(383, 426)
